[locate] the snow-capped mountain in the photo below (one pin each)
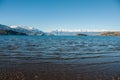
(27, 30)
(22, 29)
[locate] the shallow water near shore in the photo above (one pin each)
(79, 56)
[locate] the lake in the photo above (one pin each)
(82, 57)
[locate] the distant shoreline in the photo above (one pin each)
(105, 33)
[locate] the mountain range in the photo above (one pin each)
(19, 30)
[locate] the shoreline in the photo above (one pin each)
(48, 71)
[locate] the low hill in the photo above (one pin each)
(110, 33)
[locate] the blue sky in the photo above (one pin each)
(49, 15)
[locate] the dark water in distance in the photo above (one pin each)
(88, 50)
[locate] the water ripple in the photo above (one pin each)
(66, 50)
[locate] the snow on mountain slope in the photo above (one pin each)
(23, 27)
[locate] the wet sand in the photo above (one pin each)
(50, 71)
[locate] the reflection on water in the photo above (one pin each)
(90, 50)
